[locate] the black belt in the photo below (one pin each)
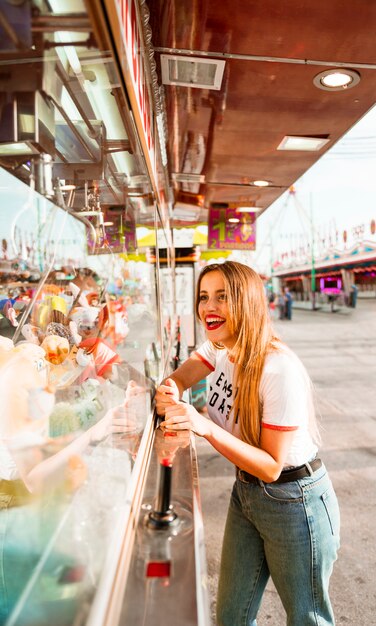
(286, 476)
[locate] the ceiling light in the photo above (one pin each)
(187, 177)
(261, 183)
(233, 220)
(108, 223)
(248, 209)
(312, 144)
(336, 80)
(17, 148)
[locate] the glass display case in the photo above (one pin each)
(86, 331)
(80, 339)
(79, 356)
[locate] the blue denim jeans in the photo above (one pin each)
(288, 531)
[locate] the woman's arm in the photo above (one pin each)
(265, 462)
(50, 472)
(172, 388)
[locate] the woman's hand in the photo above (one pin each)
(182, 416)
(119, 419)
(166, 395)
(133, 391)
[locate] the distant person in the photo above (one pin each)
(288, 303)
(283, 518)
(281, 306)
(353, 296)
(272, 307)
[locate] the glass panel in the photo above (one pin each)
(75, 400)
(184, 277)
(167, 289)
(80, 344)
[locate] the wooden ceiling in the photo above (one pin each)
(273, 50)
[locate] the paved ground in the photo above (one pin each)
(339, 352)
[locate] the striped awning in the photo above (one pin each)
(362, 270)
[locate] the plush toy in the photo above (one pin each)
(85, 318)
(27, 403)
(26, 400)
(30, 333)
(12, 316)
(104, 356)
(76, 337)
(116, 327)
(56, 348)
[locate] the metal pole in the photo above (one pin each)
(313, 270)
(271, 263)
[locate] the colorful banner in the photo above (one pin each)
(224, 234)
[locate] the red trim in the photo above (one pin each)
(276, 427)
(205, 362)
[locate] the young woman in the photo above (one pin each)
(283, 518)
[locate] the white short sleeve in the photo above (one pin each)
(207, 353)
(284, 392)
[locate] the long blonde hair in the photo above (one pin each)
(249, 321)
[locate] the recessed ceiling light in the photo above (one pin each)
(336, 80)
(291, 142)
(261, 183)
(233, 220)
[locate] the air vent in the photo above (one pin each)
(188, 178)
(192, 71)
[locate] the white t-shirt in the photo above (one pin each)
(23, 440)
(8, 468)
(285, 397)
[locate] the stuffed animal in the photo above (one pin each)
(23, 386)
(56, 348)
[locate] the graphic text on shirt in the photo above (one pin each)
(219, 394)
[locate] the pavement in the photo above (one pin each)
(339, 353)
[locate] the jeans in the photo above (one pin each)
(288, 531)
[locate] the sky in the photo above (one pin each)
(339, 192)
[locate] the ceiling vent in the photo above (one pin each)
(188, 178)
(192, 72)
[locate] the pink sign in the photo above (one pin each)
(225, 234)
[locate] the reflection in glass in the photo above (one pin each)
(75, 401)
(80, 348)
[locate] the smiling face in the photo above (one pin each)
(213, 309)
